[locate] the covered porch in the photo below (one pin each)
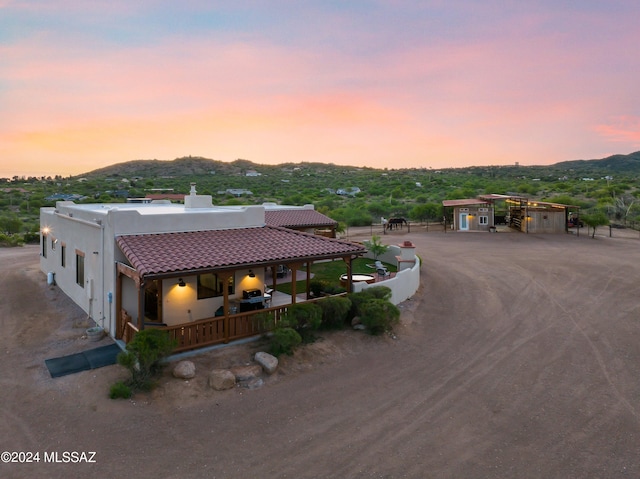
(209, 287)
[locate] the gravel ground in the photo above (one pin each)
(519, 357)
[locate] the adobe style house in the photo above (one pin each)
(195, 269)
(519, 213)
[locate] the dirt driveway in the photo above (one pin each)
(518, 358)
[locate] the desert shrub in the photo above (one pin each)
(305, 318)
(378, 292)
(379, 315)
(331, 289)
(143, 357)
(335, 310)
(11, 240)
(120, 390)
(284, 340)
(317, 287)
(267, 321)
(320, 287)
(31, 237)
(362, 297)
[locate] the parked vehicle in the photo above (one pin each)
(575, 222)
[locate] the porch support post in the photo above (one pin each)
(348, 260)
(294, 269)
(309, 263)
(274, 276)
(225, 303)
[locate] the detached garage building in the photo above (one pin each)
(521, 214)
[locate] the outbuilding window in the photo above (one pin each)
(484, 220)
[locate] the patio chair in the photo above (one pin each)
(384, 272)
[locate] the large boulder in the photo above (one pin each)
(221, 379)
(268, 362)
(184, 370)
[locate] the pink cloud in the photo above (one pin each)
(623, 129)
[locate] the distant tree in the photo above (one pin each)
(427, 211)
(622, 207)
(10, 223)
(594, 220)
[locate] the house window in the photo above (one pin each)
(53, 243)
(44, 246)
(484, 220)
(211, 285)
(63, 255)
(80, 268)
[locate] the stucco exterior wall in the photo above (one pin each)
(92, 229)
(404, 284)
(78, 237)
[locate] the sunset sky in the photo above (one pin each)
(387, 83)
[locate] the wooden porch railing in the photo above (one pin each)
(216, 330)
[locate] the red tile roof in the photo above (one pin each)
(297, 218)
(165, 253)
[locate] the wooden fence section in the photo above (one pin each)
(217, 330)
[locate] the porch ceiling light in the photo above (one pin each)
(181, 283)
(251, 274)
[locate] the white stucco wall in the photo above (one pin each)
(181, 304)
(403, 285)
(81, 237)
(92, 229)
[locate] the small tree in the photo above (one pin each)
(375, 246)
(594, 220)
(143, 357)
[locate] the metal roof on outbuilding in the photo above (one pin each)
(462, 202)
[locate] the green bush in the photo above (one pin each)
(305, 318)
(379, 315)
(120, 390)
(317, 287)
(335, 310)
(11, 240)
(284, 341)
(143, 357)
(362, 297)
(379, 292)
(333, 289)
